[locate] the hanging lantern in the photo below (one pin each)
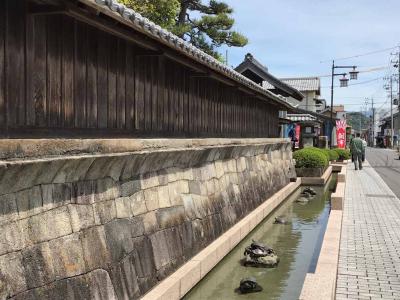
(353, 74)
(343, 81)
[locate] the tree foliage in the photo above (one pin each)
(161, 12)
(206, 25)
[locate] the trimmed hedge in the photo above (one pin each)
(311, 158)
(332, 154)
(343, 153)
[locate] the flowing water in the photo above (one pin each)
(297, 244)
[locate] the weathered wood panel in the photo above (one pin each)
(15, 63)
(3, 118)
(62, 77)
(67, 65)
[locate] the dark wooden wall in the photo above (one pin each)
(61, 77)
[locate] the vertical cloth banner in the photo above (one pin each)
(341, 133)
(297, 143)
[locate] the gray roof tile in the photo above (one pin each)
(302, 83)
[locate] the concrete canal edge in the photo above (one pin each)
(186, 277)
(318, 180)
(322, 284)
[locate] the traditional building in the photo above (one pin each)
(96, 69)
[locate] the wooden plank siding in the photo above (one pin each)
(60, 77)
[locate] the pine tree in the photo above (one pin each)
(207, 26)
(161, 12)
(211, 29)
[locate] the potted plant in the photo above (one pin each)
(311, 162)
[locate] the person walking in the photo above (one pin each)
(357, 149)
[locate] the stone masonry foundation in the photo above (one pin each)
(112, 225)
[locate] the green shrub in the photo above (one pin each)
(332, 154)
(343, 153)
(325, 152)
(310, 158)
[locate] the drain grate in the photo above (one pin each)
(380, 196)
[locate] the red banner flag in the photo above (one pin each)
(341, 133)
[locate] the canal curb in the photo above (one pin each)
(185, 278)
(322, 283)
(318, 180)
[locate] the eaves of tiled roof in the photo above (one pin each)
(302, 84)
(129, 17)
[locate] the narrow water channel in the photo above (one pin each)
(297, 244)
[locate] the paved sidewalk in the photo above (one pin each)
(369, 258)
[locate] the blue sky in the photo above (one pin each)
(292, 37)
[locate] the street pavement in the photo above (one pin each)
(386, 162)
(369, 257)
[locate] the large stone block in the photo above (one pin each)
(159, 245)
(197, 188)
(106, 189)
(143, 257)
(149, 180)
(8, 208)
(48, 225)
(12, 276)
(12, 237)
(150, 222)
(104, 212)
(163, 197)
(138, 204)
(131, 187)
(67, 256)
(95, 250)
(74, 169)
(124, 279)
(219, 169)
(132, 166)
(174, 244)
(176, 189)
(19, 176)
(100, 285)
(151, 199)
(29, 202)
(172, 216)
(119, 238)
(83, 192)
(38, 264)
(95, 285)
(82, 216)
(123, 206)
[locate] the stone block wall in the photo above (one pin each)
(110, 226)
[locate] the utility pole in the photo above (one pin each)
(398, 78)
(372, 124)
(391, 111)
(343, 83)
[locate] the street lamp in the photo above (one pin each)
(343, 83)
(353, 74)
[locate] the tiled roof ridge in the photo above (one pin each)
(149, 28)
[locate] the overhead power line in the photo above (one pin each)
(358, 83)
(374, 69)
(360, 55)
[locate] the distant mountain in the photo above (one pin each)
(354, 118)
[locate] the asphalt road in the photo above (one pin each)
(386, 162)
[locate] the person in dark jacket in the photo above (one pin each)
(357, 149)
